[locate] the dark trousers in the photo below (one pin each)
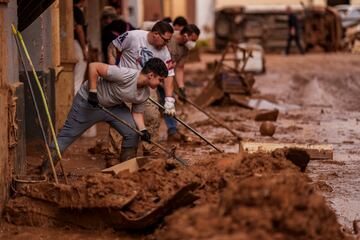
(296, 38)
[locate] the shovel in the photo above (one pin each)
(187, 126)
(170, 153)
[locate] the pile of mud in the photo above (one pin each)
(226, 196)
(128, 200)
(262, 197)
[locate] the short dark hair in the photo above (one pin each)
(157, 66)
(190, 29)
(181, 21)
(162, 27)
(167, 19)
(76, 1)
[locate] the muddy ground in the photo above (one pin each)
(259, 197)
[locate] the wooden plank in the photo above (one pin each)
(131, 165)
(316, 151)
(241, 100)
(210, 94)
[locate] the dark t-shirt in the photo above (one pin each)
(79, 19)
(111, 32)
(293, 21)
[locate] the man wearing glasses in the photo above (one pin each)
(131, 50)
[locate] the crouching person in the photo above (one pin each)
(111, 86)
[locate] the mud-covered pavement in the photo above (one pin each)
(317, 96)
(261, 196)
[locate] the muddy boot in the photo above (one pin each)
(111, 160)
(45, 167)
(127, 153)
(176, 137)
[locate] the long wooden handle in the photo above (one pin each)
(187, 126)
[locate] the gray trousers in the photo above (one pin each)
(82, 116)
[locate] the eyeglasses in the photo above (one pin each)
(166, 40)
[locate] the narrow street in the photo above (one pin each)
(317, 96)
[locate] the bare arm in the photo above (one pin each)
(139, 120)
(81, 34)
(112, 53)
(169, 86)
(96, 69)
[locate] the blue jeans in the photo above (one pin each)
(82, 116)
(170, 122)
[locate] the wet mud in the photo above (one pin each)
(281, 195)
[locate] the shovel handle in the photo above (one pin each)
(182, 161)
(212, 117)
(187, 126)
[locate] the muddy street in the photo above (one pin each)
(223, 196)
(317, 98)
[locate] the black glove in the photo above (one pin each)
(182, 94)
(145, 136)
(93, 99)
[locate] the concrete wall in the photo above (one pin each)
(136, 16)
(8, 74)
(205, 18)
(93, 15)
(37, 38)
(12, 59)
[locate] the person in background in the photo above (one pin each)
(112, 28)
(116, 5)
(80, 44)
(179, 23)
(179, 46)
(293, 31)
(167, 19)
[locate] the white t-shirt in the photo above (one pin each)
(119, 86)
(136, 50)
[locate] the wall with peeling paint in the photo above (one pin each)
(9, 72)
(37, 38)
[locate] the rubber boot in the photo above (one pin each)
(127, 153)
(111, 160)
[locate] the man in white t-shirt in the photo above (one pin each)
(111, 87)
(135, 47)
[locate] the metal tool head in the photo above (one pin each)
(179, 159)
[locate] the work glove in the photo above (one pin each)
(145, 136)
(93, 99)
(169, 106)
(182, 94)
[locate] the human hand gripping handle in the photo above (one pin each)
(93, 98)
(169, 106)
(145, 136)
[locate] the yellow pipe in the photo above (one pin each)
(17, 33)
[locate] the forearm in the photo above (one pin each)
(81, 35)
(139, 120)
(169, 86)
(112, 52)
(179, 73)
(96, 70)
